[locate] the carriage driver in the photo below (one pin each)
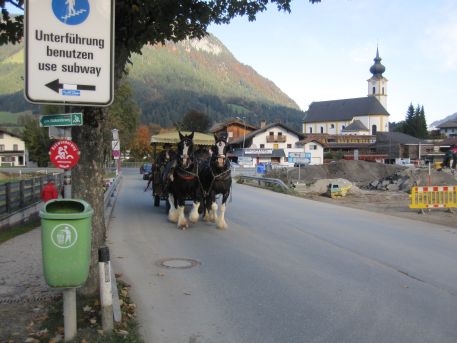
(165, 156)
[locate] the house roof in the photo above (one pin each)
(448, 124)
(356, 125)
(344, 109)
(449, 141)
(220, 126)
(11, 134)
(309, 140)
(263, 129)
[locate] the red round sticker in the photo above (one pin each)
(64, 154)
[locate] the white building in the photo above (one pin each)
(276, 144)
(314, 151)
(358, 116)
(12, 150)
(448, 129)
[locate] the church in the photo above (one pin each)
(357, 116)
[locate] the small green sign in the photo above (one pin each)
(66, 119)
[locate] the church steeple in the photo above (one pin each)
(377, 84)
(377, 68)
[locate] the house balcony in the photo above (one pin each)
(276, 139)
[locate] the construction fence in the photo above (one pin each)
(433, 197)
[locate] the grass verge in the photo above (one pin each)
(18, 230)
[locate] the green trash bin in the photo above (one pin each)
(66, 232)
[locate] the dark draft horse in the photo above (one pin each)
(216, 178)
(184, 183)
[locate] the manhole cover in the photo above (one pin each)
(177, 263)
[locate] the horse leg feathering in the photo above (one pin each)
(220, 221)
(182, 221)
(206, 216)
(194, 215)
(213, 212)
(172, 213)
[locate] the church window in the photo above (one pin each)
(322, 129)
(374, 90)
(332, 126)
(373, 129)
(310, 130)
(382, 90)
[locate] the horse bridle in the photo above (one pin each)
(183, 173)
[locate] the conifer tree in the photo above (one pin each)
(422, 124)
(415, 123)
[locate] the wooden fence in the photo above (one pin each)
(15, 196)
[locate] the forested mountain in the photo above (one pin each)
(171, 80)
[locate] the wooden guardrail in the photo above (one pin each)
(17, 195)
(20, 200)
(264, 181)
(433, 197)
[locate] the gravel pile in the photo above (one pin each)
(366, 175)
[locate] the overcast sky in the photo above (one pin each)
(324, 51)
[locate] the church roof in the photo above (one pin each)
(343, 109)
(356, 125)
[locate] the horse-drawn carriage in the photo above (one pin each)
(197, 170)
(164, 147)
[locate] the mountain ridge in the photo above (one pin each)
(209, 78)
(172, 79)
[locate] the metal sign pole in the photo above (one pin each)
(69, 294)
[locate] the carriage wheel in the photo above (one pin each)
(156, 200)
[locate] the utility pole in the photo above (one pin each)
(244, 133)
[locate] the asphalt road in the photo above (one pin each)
(286, 270)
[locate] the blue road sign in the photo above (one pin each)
(71, 12)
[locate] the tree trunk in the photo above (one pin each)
(88, 184)
(88, 175)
